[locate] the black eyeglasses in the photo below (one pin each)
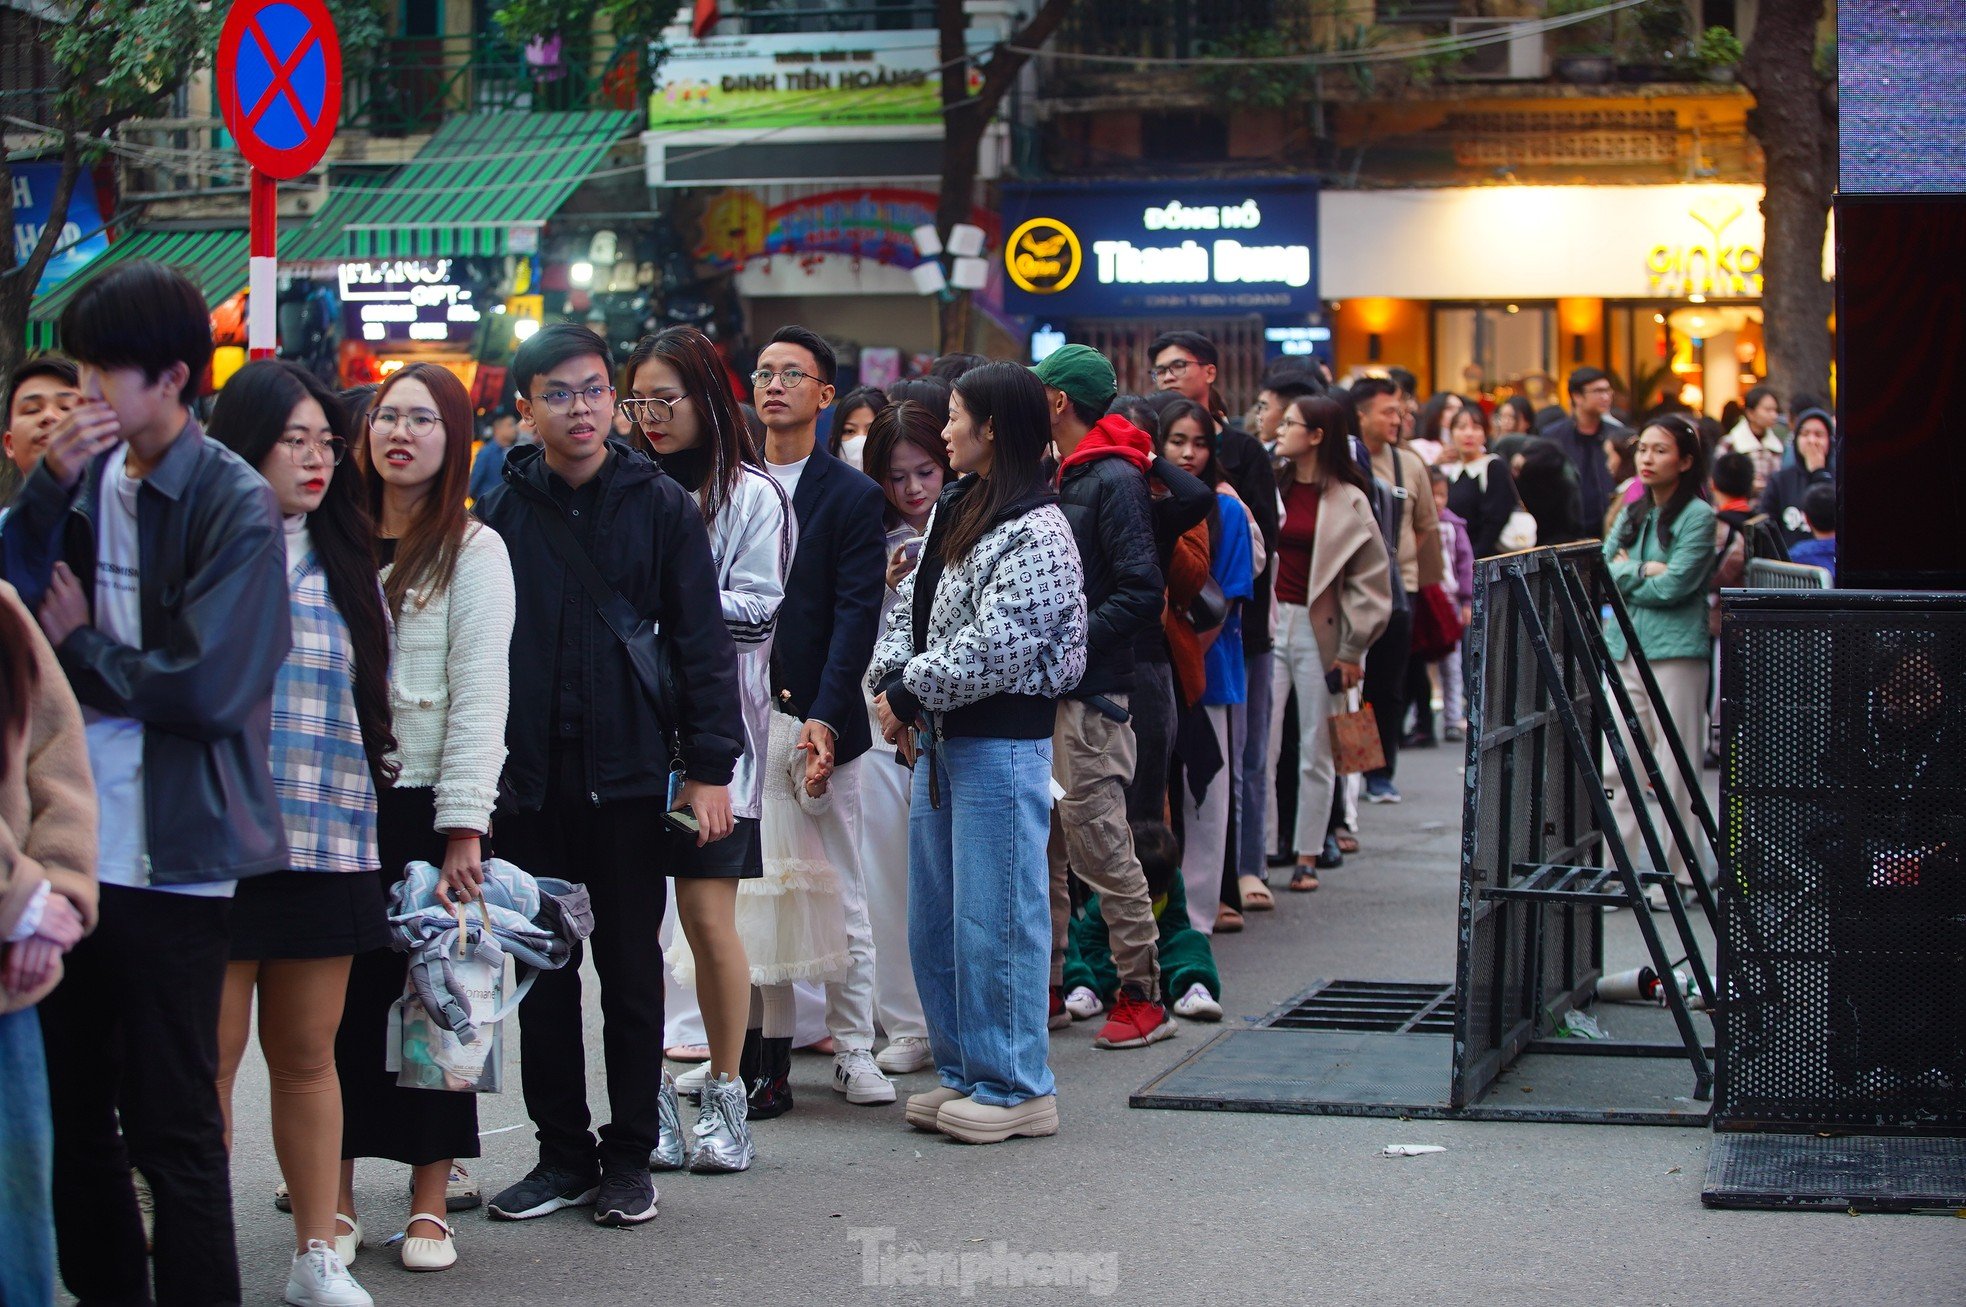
(559, 401)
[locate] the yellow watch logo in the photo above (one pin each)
(1043, 256)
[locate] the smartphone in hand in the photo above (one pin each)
(683, 820)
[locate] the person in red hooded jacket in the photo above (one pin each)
(1102, 488)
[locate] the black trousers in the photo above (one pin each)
(1385, 686)
(621, 852)
(1152, 703)
(1420, 695)
(132, 1036)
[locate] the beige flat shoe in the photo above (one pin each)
(346, 1245)
(923, 1108)
(429, 1254)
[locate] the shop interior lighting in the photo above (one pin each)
(927, 240)
(1515, 308)
(525, 328)
(581, 274)
(1696, 299)
(970, 273)
(965, 240)
(1659, 318)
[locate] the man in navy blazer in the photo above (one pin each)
(826, 633)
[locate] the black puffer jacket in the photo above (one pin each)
(657, 556)
(1106, 502)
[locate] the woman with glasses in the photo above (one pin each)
(679, 404)
(295, 932)
(448, 584)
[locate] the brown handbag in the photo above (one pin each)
(1355, 745)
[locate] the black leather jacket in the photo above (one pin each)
(215, 631)
(650, 544)
(1106, 503)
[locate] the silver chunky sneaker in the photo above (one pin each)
(668, 1154)
(721, 1138)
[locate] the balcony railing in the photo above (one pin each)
(414, 83)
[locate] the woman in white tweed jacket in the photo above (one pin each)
(449, 585)
(985, 635)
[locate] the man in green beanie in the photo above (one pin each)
(1102, 488)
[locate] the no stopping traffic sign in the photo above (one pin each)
(279, 83)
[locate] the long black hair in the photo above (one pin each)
(906, 423)
(1334, 417)
(868, 397)
(249, 418)
(726, 437)
(931, 393)
(1172, 407)
(1692, 482)
(1011, 398)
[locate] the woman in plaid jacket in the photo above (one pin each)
(295, 932)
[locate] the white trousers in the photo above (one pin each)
(1300, 666)
(884, 786)
(850, 999)
(1205, 825)
(1683, 684)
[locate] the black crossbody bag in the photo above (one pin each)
(648, 649)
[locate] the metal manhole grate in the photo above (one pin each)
(1392, 1007)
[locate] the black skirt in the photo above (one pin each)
(739, 855)
(380, 1118)
(307, 914)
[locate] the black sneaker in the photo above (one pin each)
(627, 1197)
(546, 1189)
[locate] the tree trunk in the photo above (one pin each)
(965, 118)
(17, 282)
(1794, 120)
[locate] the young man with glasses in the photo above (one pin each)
(828, 624)
(1581, 437)
(155, 561)
(590, 779)
(1186, 361)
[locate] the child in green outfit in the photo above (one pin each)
(1189, 983)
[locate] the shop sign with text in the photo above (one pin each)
(1716, 255)
(808, 79)
(1161, 247)
(407, 300)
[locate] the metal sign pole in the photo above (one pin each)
(262, 265)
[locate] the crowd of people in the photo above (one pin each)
(972, 718)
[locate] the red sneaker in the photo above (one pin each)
(1135, 1023)
(1060, 1018)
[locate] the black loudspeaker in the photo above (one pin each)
(1900, 333)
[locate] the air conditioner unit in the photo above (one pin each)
(1519, 58)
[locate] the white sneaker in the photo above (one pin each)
(690, 1083)
(1198, 1004)
(320, 1279)
(901, 1056)
(1083, 1004)
(856, 1075)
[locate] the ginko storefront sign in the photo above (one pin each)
(1208, 247)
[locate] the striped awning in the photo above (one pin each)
(213, 260)
(481, 176)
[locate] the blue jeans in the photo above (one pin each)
(979, 914)
(27, 1144)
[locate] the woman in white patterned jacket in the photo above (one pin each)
(984, 637)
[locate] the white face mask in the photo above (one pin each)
(850, 451)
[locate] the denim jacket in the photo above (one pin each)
(215, 631)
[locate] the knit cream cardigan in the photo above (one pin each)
(450, 683)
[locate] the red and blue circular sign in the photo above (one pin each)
(279, 82)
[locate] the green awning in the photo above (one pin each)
(321, 238)
(481, 175)
(213, 260)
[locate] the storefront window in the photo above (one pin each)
(1701, 355)
(1495, 349)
